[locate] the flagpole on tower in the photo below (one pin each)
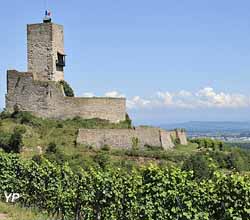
(47, 18)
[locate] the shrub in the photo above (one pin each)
(201, 165)
(26, 118)
(221, 158)
(153, 148)
(59, 125)
(16, 140)
(4, 114)
(52, 148)
(207, 143)
(20, 129)
(102, 159)
(135, 143)
(128, 121)
(238, 159)
(12, 142)
(68, 91)
(4, 141)
(105, 148)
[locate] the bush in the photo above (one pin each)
(153, 148)
(207, 143)
(59, 125)
(5, 115)
(16, 141)
(201, 165)
(106, 148)
(4, 141)
(135, 144)
(52, 148)
(68, 91)
(26, 118)
(128, 121)
(20, 129)
(102, 159)
(221, 159)
(239, 160)
(12, 142)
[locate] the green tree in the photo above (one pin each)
(200, 164)
(67, 89)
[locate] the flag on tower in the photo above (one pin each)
(47, 13)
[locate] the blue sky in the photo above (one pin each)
(174, 60)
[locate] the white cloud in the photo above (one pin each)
(88, 94)
(209, 98)
(203, 98)
(138, 102)
(114, 94)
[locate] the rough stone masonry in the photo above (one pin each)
(129, 138)
(38, 91)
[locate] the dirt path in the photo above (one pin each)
(3, 216)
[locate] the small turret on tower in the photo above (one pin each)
(46, 57)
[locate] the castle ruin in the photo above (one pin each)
(40, 92)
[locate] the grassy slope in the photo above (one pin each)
(14, 212)
(42, 132)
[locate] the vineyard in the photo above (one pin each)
(145, 193)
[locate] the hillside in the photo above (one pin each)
(57, 177)
(39, 134)
(56, 140)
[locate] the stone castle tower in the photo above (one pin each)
(38, 91)
(46, 57)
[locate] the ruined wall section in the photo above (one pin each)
(119, 138)
(46, 99)
(123, 138)
(112, 109)
(26, 94)
(180, 135)
(167, 139)
(148, 136)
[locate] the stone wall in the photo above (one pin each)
(167, 139)
(46, 99)
(123, 138)
(180, 135)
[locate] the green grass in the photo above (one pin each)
(15, 212)
(41, 132)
